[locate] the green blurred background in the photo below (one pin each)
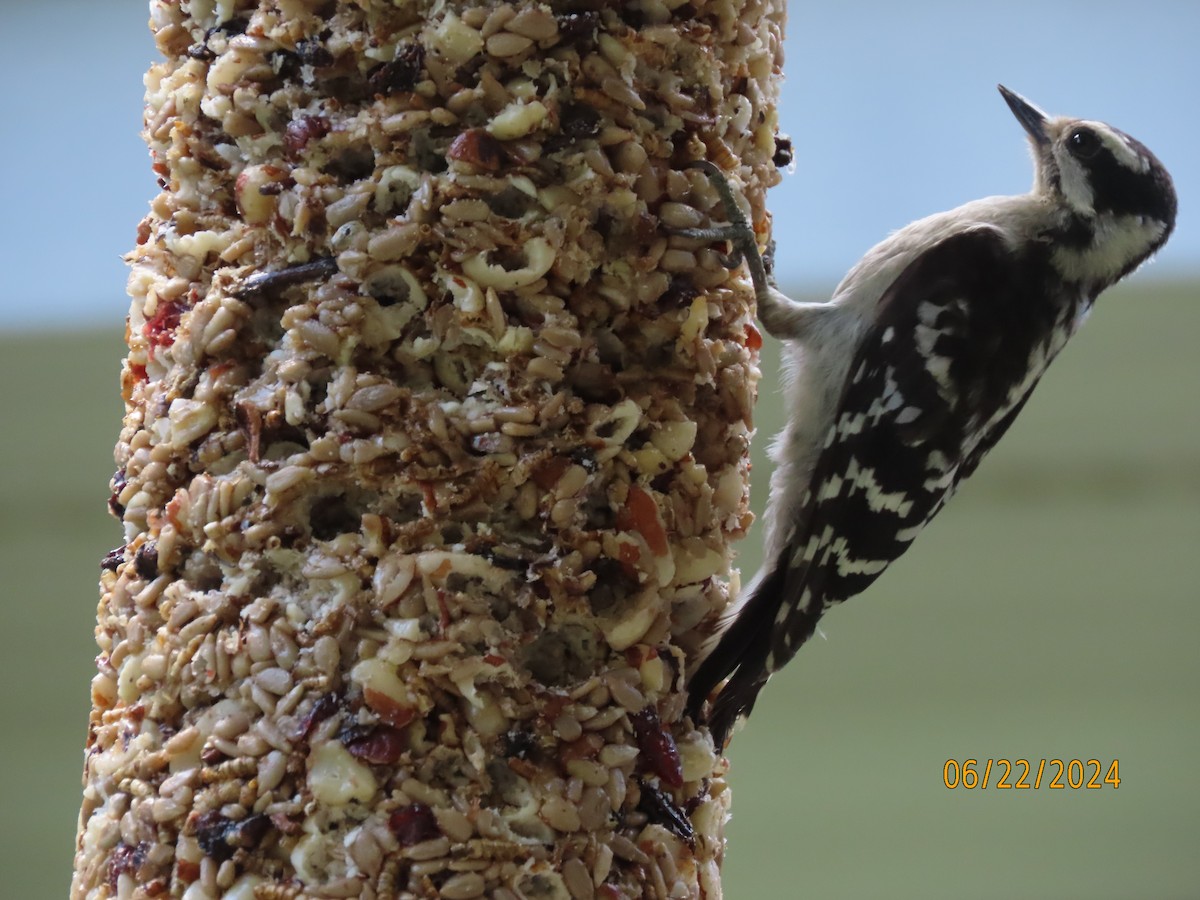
(1050, 611)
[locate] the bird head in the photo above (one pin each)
(1118, 198)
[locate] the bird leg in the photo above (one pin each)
(782, 317)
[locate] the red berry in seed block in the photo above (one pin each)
(413, 824)
(659, 753)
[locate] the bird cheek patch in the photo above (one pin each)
(1076, 188)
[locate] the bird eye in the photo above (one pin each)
(1083, 143)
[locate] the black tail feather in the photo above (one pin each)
(741, 652)
(735, 701)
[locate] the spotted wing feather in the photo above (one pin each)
(938, 379)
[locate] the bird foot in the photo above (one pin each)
(738, 231)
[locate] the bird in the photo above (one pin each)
(897, 386)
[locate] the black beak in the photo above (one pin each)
(1032, 119)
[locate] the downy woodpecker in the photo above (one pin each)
(898, 386)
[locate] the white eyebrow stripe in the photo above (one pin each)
(1119, 146)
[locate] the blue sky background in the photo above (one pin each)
(892, 107)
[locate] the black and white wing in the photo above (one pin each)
(958, 344)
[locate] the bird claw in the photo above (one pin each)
(731, 260)
(738, 231)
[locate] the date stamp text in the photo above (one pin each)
(1024, 774)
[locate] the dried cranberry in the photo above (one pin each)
(659, 752)
(382, 746)
(145, 561)
(679, 293)
(212, 830)
(783, 151)
(413, 824)
(304, 129)
(113, 559)
(249, 832)
(125, 860)
(547, 473)
(159, 330)
(401, 74)
(324, 707)
(118, 483)
(220, 836)
(645, 228)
